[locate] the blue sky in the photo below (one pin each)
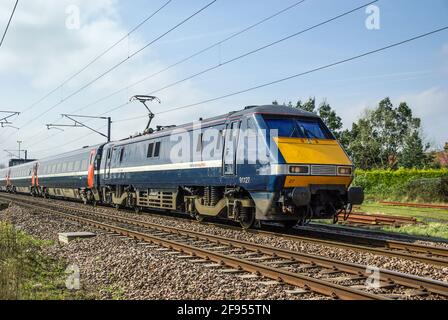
(40, 52)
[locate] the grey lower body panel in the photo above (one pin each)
(266, 210)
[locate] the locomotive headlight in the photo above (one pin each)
(304, 170)
(345, 171)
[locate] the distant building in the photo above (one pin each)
(16, 162)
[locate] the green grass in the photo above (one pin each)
(422, 214)
(432, 230)
(28, 274)
(432, 222)
(115, 292)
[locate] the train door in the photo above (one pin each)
(8, 179)
(231, 147)
(91, 170)
(108, 162)
(34, 176)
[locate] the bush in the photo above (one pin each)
(404, 184)
(25, 272)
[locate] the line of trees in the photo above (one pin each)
(386, 137)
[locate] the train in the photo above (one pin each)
(261, 164)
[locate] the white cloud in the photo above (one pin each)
(41, 53)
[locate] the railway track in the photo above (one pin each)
(404, 250)
(311, 273)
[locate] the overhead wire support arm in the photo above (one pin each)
(78, 124)
(9, 115)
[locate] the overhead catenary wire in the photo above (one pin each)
(190, 57)
(102, 54)
(118, 64)
(271, 44)
(234, 35)
(327, 66)
(9, 22)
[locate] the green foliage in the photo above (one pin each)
(431, 229)
(388, 138)
(428, 185)
(26, 273)
(331, 119)
(309, 105)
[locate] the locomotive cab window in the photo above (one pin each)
(305, 128)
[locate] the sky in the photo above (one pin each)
(46, 45)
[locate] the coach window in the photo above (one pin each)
(122, 154)
(64, 167)
(157, 150)
(77, 165)
(220, 138)
(200, 144)
(150, 150)
(70, 167)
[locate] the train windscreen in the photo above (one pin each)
(299, 128)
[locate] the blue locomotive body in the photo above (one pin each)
(263, 163)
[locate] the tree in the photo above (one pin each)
(364, 151)
(387, 137)
(413, 154)
(331, 119)
(309, 106)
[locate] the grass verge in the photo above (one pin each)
(28, 274)
(433, 223)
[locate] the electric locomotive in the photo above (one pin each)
(259, 164)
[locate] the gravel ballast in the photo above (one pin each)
(347, 255)
(120, 268)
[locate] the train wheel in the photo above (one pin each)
(247, 220)
(200, 217)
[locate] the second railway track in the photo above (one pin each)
(334, 278)
(433, 255)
